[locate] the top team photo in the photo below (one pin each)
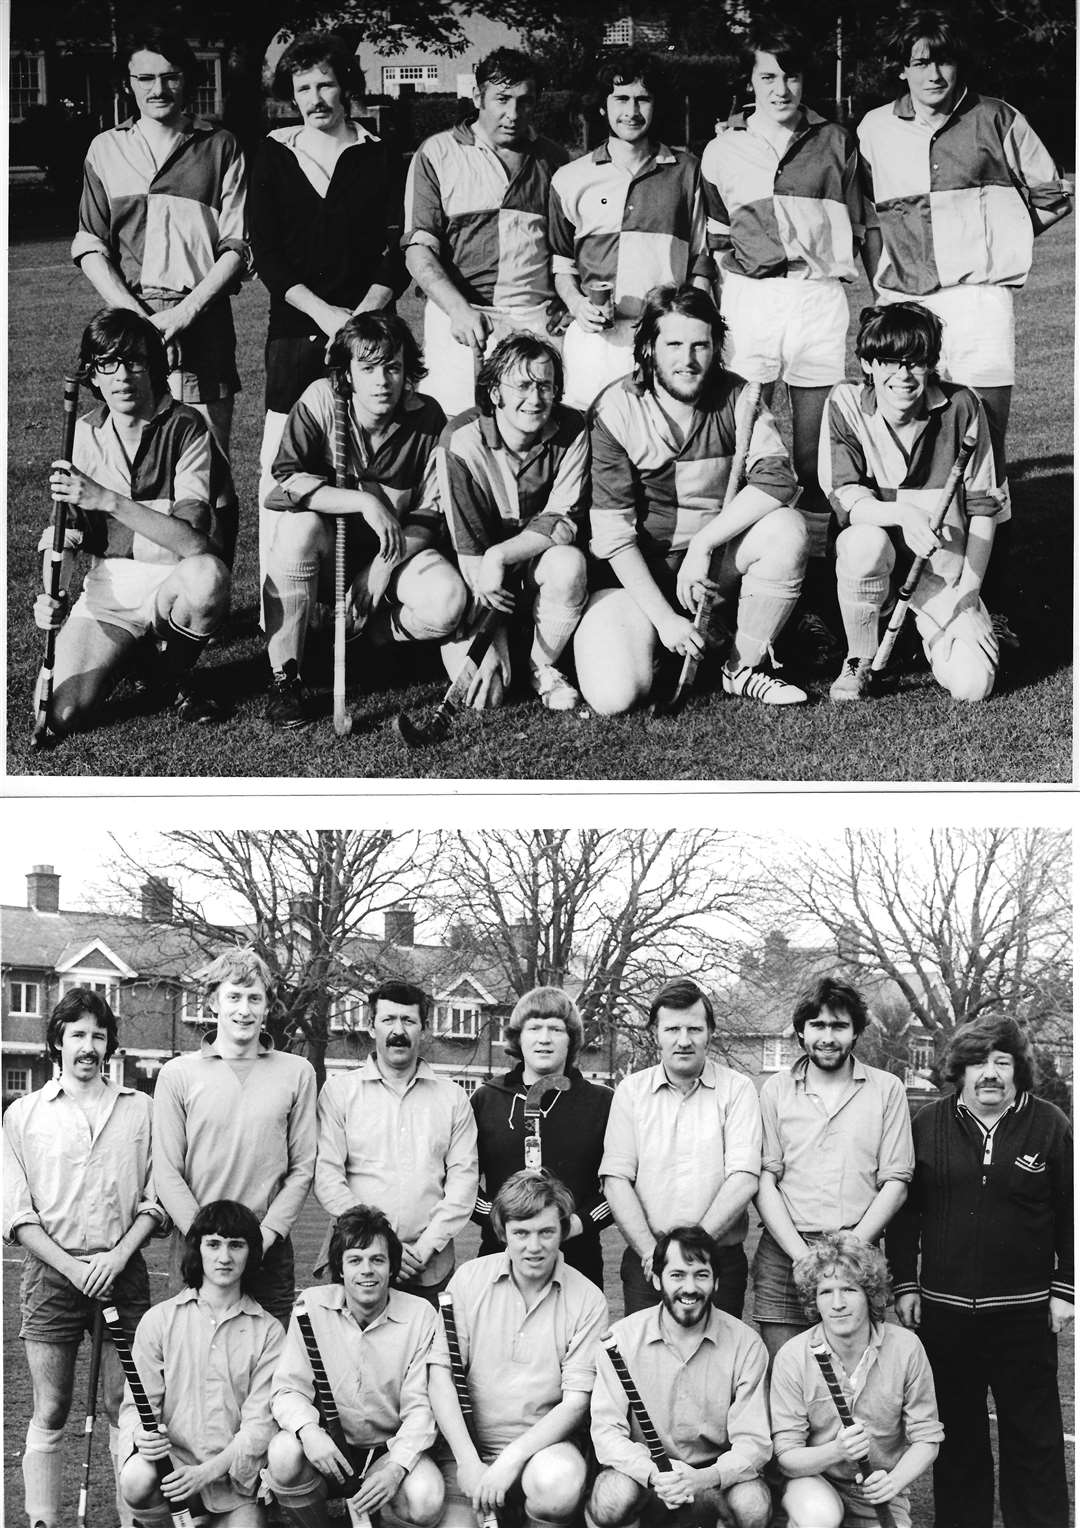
(649, 394)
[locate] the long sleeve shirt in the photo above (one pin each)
(82, 1185)
(217, 1136)
(411, 1154)
(209, 1384)
(708, 1407)
(377, 1373)
(829, 1167)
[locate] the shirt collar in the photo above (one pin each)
(661, 153)
(55, 1087)
(465, 132)
(489, 432)
(801, 1065)
(369, 1071)
(247, 1305)
(209, 1045)
(504, 1271)
(333, 1298)
(904, 106)
(1018, 1103)
(707, 1078)
(936, 398)
(654, 1332)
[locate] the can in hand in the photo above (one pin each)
(602, 295)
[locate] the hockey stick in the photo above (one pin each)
(918, 567)
(182, 1513)
(342, 718)
(692, 661)
(534, 1098)
(360, 1458)
(488, 1519)
(96, 1341)
(843, 1411)
(657, 1453)
(43, 696)
(415, 734)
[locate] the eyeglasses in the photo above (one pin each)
(523, 389)
(110, 368)
(174, 78)
(893, 363)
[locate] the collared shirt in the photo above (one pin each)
(209, 1384)
(165, 228)
(650, 491)
(830, 1166)
(891, 1394)
(862, 457)
(82, 1185)
(488, 493)
(521, 1362)
(709, 1406)
(220, 1136)
(678, 1149)
(411, 1154)
(959, 203)
(377, 1373)
(635, 230)
(402, 465)
(798, 213)
(487, 226)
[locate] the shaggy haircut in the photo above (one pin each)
(973, 1042)
(946, 46)
(843, 1251)
(72, 1006)
(790, 49)
(314, 50)
(544, 1003)
(171, 45)
(403, 993)
(120, 334)
(695, 1244)
(691, 303)
(374, 337)
(680, 994)
(507, 66)
(623, 68)
(358, 1227)
(242, 965)
(839, 997)
(513, 351)
(528, 1193)
(899, 331)
(222, 1218)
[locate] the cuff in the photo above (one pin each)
(563, 265)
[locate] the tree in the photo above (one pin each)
(305, 895)
(964, 921)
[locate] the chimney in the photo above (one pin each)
(301, 910)
(43, 889)
(524, 936)
(157, 900)
(400, 925)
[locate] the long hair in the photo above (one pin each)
(790, 49)
(528, 1193)
(974, 1041)
(374, 336)
(514, 350)
(839, 997)
(120, 334)
(938, 30)
(691, 303)
(224, 1217)
(899, 331)
(358, 1227)
(310, 50)
(864, 1265)
(72, 1006)
(544, 1003)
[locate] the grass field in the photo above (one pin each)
(307, 1239)
(1022, 734)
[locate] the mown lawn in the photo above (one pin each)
(1022, 734)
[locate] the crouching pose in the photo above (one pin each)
(887, 447)
(392, 565)
(374, 1343)
(700, 1374)
(512, 479)
(886, 1380)
(528, 1328)
(149, 488)
(206, 1359)
(662, 448)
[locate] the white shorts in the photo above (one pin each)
(978, 347)
(121, 592)
(591, 360)
(788, 329)
(451, 368)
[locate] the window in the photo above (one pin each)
(16, 1079)
(193, 1009)
(499, 1035)
(457, 1021)
(619, 34)
(921, 1055)
(420, 76)
(778, 1052)
(26, 80)
(116, 1070)
(348, 1013)
(208, 101)
(470, 1084)
(109, 990)
(25, 1000)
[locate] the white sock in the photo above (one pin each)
(764, 606)
(861, 600)
(42, 1463)
(288, 596)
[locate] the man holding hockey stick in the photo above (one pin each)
(373, 1342)
(691, 1433)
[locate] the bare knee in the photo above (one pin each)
(138, 1482)
(553, 1482)
(561, 573)
(613, 653)
(967, 677)
(812, 1503)
(781, 548)
(204, 584)
(751, 1503)
(862, 550)
(304, 534)
(285, 1458)
(421, 1495)
(433, 595)
(615, 1499)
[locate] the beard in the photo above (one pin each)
(687, 388)
(685, 1315)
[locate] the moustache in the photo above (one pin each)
(402, 1042)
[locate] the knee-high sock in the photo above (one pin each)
(127, 1517)
(182, 649)
(999, 581)
(288, 597)
(861, 600)
(304, 1504)
(41, 1468)
(764, 606)
(149, 1517)
(556, 621)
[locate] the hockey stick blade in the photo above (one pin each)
(414, 734)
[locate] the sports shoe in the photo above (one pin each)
(761, 684)
(811, 647)
(854, 680)
(195, 708)
(288, 704)
(554, 689)
(1006, 637)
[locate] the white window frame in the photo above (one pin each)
(619, 34)
(348, 1013)
(105, 983)
(921, 1054)
(470, 1084)
(18, 1009)
(26, 56)
(11, 1072)
(778, 1052)
(424, 76)
(212, 64)
(193, 1009)
(456, 1019)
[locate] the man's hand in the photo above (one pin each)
(268, 1238)
(469, 326)
(851, 1443)
(321, 1451)
(491, 1489)
(188, 1480)
(492, 674)
(909, 1310)
(489, 582)
(914, 524)
(381, 1484)
(384, 523)
(49, 614)
(677, 634)
(692, 582)
(672, 1486)
(411, 1261)
(588, 315)
(1061, 1313)
(173, 321)
(74, 487)
(646, 1264)
(877, 1488)
(331, 318)
(152, 1443)
(100, 1269)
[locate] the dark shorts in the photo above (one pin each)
(207, 351)
(292, 364)
(775, 1295)
(53, 1310)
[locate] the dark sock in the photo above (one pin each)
(182, 649)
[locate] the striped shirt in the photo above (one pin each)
(636, 231)
(651, 491)
(861, 457)
(960, 203)
(797, 214)
(164, 228)
(402, 464)
(487, 226)
(488, 493)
